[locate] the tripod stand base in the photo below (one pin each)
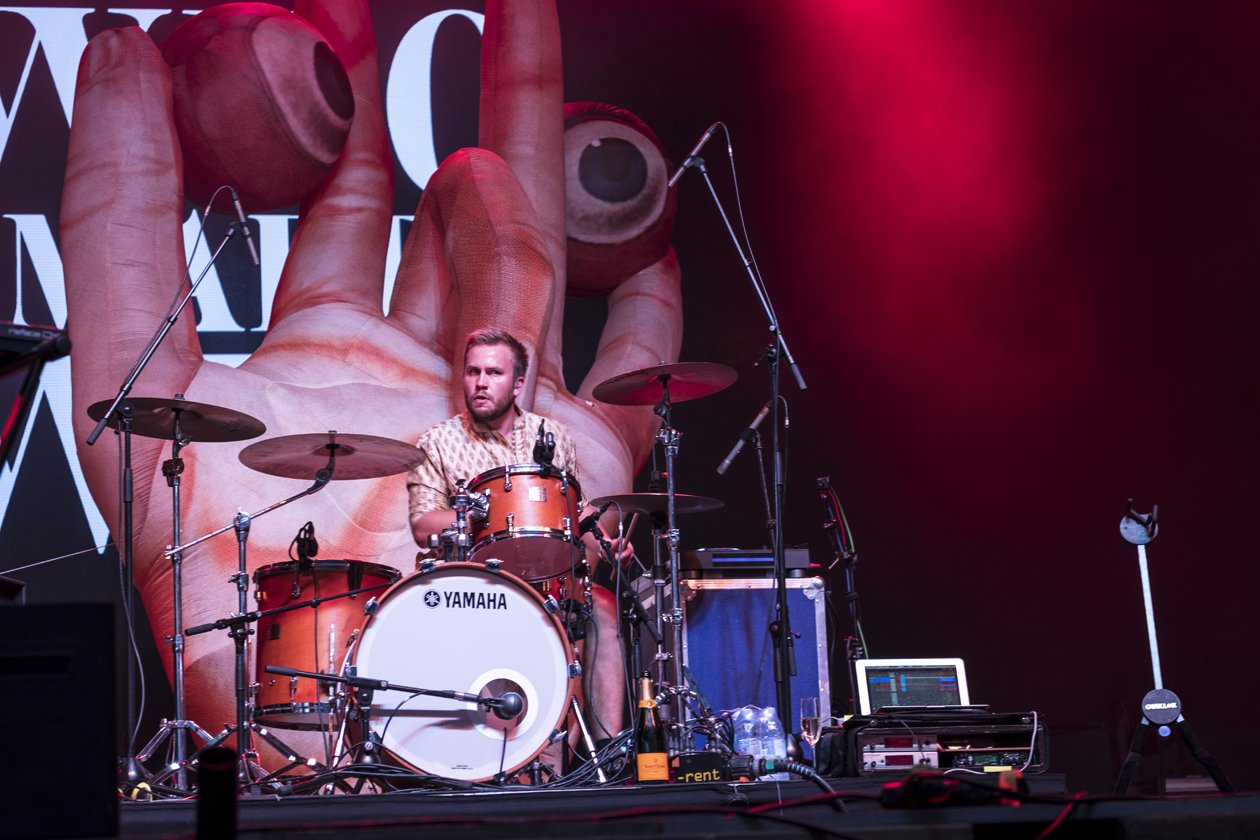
(1159, 699)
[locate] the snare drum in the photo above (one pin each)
(308, 638)
(529, 527)
(462, 627)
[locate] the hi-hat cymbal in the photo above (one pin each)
(357, 456)
(657, 504)
(685, 380)
(155, 418)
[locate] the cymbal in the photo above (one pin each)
(155, 418)
(686, 381)
(357, 456)
(658, 503)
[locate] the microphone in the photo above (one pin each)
(307, 546)
(540, 444)
(744, 437)
(245, 231)
(591, 522)
(507, 705)
(690, 159)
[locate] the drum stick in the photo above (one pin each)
(634, 520)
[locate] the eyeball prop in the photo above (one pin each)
(620, 214)
(261, 101)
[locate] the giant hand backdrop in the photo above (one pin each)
(488, 248)
(1012, 244)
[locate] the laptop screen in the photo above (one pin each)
(911, 682)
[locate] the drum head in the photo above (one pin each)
(462, 628)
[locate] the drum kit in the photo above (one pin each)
(478, 626)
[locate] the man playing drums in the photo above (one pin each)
(490, 436)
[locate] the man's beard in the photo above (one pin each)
(489, 413)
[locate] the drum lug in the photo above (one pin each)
(567, 523)
(551, 605)
(511, 521)
(494, 565)
(575, 669)
(426, 565)
(557, 735)
(371, 606)
(507, 482)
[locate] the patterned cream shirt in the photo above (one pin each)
(461, 448)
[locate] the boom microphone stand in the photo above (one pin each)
(780, 627)
(120, 412)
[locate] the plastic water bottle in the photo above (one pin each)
(746, 742)
(773, 740)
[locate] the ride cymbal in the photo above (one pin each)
(155, 417)
(354, 456)
(685, 381)
(657, 504)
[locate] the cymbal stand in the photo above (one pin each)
(249, 770)
(1159, 706)
(669, 438)
(175, 729)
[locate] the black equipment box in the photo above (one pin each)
(744, 562)
(981, 741)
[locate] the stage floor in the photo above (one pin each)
(716, 810)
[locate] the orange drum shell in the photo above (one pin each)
(300, 638)
(530, 527)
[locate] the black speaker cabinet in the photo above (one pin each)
(728, 647)
(58, 776)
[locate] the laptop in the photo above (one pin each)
(912, 685)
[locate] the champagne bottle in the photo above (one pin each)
(651, 756)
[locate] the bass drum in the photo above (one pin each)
(461, 627)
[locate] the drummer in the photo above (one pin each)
(494, 432)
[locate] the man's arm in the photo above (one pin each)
(432, 522)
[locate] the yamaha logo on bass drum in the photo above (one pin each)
(466, 600)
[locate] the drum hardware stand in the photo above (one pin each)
(175, 729)
(236, 626)
(784, 664)
(670, 439)
(455, 543)
(837, 532)
(1160, 706)
(250, 772)
(133, 769)
(633, 612)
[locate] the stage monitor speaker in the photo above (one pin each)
(57, 700)
(728, 648)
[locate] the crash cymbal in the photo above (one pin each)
(657, 504)
(357, 456)
(686, 380)
(155, 418)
